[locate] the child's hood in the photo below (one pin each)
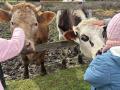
(116, 52)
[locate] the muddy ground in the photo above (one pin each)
(13, 69)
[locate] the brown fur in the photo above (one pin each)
(35, 25)
(70, 35)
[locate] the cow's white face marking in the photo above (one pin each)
(90, 37)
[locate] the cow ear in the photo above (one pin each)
(4, 15)
(46, 17)
(70, 35)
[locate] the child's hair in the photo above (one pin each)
(113, 33)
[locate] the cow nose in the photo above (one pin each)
(27, 48)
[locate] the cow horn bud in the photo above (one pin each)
(38, 8)
(8, 5)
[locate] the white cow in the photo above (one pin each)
(89, 32)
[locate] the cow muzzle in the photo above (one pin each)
(29, 47)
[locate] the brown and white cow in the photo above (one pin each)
(88, 32)
(35, 25)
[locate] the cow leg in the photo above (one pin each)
(80, 55)
(26, 71)
(43, 70)
(26, 64)
(40, 61)
(64, 61)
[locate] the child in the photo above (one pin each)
(103, 72)
(12, 47)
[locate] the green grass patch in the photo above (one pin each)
(69, 79)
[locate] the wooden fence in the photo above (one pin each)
(57, 5)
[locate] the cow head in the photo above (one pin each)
(89, 34)
(28, 17)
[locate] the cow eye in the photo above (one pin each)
(84, 38)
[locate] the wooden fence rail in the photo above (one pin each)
(57, 5)
(55, 45)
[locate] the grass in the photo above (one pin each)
(69, 79)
